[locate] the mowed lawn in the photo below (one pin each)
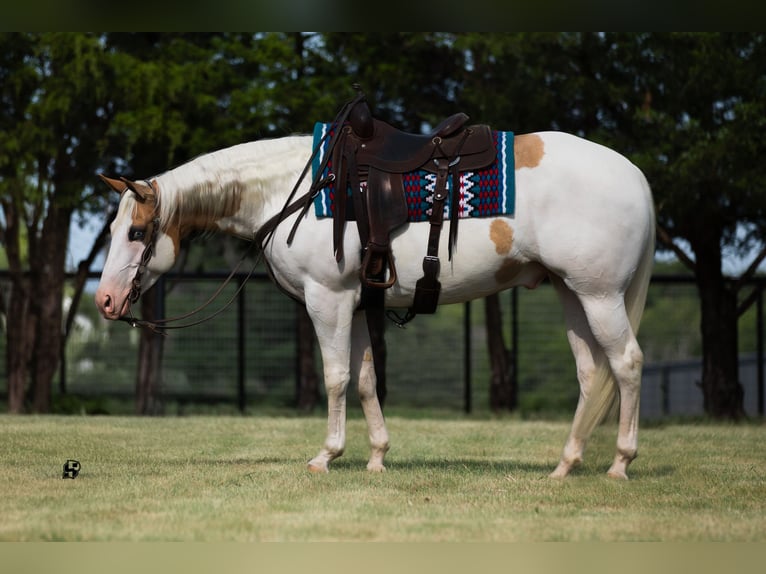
(228, 478)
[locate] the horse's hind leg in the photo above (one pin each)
(611, 327)
(593, 371)
(362, 366)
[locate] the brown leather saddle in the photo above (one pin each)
(372, 152)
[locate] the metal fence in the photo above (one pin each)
(246, 356)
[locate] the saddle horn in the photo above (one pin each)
(361, 121)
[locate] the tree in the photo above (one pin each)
(50, 93)
(503, 389)
(72, 105)
(698, 136)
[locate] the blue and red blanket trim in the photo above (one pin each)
(483, 193)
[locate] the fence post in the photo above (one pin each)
(241, 396)
(515, 345)
(759, 351)
(467, 402)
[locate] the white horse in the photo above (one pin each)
(584, 217)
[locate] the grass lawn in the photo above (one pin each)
(230, 478)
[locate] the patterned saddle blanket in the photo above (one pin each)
(485, 192)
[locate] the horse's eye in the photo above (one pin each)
(136, 234)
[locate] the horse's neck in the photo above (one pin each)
(236, 189)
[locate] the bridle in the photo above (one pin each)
(162, 325)
(146, 255)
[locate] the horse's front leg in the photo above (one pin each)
(362, 366)
(332, 315)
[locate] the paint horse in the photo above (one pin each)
(584, 217)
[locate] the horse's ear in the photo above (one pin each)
(143, 191)
(114, 184)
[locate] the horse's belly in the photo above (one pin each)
(485, 261)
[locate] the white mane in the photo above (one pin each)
(211, 185)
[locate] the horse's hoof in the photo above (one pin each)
(318, 468)
(563, 469)
(617, 474)
(376, 467)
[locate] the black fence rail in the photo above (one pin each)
(247, 355)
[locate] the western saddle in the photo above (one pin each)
(368, 150)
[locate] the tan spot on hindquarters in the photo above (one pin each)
(501, 235)
(528, 150)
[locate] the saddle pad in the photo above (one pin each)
(484, 193)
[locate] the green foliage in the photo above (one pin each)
(700, 134)
(688, 107)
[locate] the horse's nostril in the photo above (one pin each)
(107, 303)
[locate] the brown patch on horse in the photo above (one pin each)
(142, 191)
(202, 216)
(144, 213)
(206, 215)
(501, 235)
(528, 150)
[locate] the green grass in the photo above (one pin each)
(205, 478)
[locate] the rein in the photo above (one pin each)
(162, 325)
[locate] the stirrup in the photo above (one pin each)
(378, 284)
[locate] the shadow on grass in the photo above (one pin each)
(497, 468)
(351, 464)
(464, 464)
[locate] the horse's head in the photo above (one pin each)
(140, 250)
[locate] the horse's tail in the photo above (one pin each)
(604, 396)
(635, 297)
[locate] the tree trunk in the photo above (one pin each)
(20, 328)
(150, 349)
(19, 343)
(48, 289)
(34, 309)
(502, 389)
(721, 389)
(307, 391)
